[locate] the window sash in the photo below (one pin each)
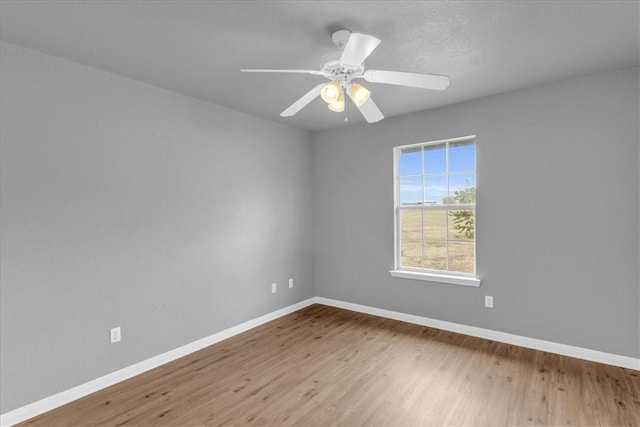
(422, 240)
(399, 208)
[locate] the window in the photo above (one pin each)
(435, 211)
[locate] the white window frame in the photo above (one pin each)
(457, 278)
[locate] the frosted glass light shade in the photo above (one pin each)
(337, 105)
(330, 92)
(359, 94)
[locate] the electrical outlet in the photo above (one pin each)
(273, 288)
(488, 301)
(115, 335)
(290, 283)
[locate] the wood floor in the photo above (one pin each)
(327, 366)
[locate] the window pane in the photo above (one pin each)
(435, 159)
(411, 254)
(462, 189)
(410, 224)
(435, 255)
(411, 191)
(461, 257)
(462, 156)
(462, 225)
(435, 225)
(411, 161)
(435, 189)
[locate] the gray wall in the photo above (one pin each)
(126, 205)
(557, 213)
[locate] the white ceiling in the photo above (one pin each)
(197, 47)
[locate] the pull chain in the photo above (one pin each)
(346, 117)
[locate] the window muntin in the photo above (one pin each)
(435, 193)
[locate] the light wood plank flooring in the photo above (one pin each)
(327, 366)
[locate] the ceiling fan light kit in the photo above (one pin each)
(347, 64)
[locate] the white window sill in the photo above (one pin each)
(433, 277)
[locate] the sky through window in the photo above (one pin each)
(423, 172)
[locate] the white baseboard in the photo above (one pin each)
(533, 343)
(41, 406)
(31, 410)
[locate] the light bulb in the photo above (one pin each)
(359, 94)
(337, 105)
(330, 92)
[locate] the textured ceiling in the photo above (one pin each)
(197, 47)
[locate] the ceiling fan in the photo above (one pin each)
(344, 66)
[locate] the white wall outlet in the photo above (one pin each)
(115, 335)
(290, 283)
(273, 288)
(488, 301)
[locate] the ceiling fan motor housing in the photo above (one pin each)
(333, 69)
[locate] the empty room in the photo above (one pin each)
(328, 213)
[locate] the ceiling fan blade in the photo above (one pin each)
(424, 81)
(315, 72)
(303, 101)
(370, 111)
(358, 47)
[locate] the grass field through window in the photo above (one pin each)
(429, 240)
